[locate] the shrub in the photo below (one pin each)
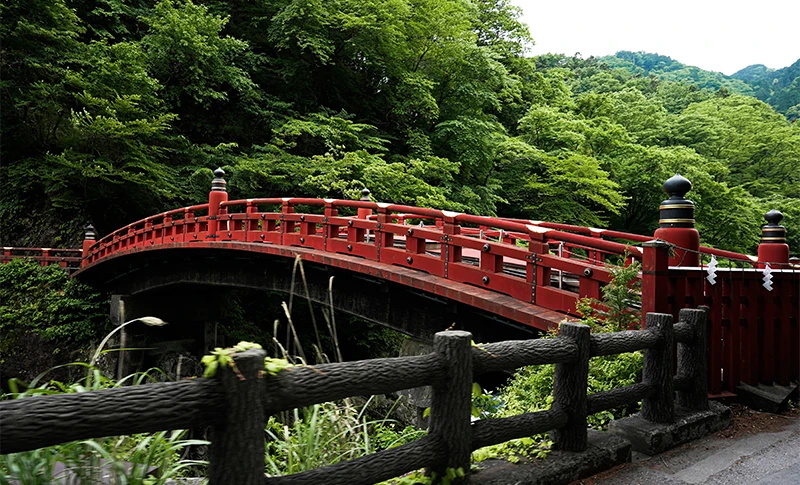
(44, 300)
(531, 388)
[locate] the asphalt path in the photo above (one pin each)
(767, 453)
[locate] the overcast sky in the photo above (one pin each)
(714, 35)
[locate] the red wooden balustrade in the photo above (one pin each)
(447, 244)
(69, 259)
(753, 332)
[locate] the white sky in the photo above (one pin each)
(714, 35)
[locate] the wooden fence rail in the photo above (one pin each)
(237, 405)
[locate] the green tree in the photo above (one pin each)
(203, 73)
(758, 146)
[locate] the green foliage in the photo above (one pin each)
(617, 310)
(224, 358)
(531, 388)
(670, 70)
(125, 460)
(536, 447)
(187, 54)
(328, 433)
(45, 301)
(419, 477)
(780, 88)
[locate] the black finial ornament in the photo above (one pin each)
(773, 232)
(90, 234)
(365, 195)
(219, 184)
(677, 211)
(677, 186)
(773, 217)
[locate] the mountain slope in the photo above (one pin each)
(778, 87)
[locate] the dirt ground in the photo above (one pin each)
(747, 421)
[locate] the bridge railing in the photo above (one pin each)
(753, 328)
(237, 404)
(186, 224)
(568, 249)
(450, 245)
(69, 259)
(519, 263)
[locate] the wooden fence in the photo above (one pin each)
(237, 406)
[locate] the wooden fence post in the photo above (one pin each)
(657, 371)
(569, 389)
(451, 401)
(692, 361)
(237, 440)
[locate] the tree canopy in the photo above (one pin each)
(114, 110)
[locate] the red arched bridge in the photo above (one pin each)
(526, 273)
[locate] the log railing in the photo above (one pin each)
(237, 405)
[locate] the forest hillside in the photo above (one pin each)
(780, 88)
(118, 109)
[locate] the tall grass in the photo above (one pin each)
(330, 432)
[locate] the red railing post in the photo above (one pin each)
(383, 239)
(218, 195)
(450, 227)
(148, 232)
(775, 362)
(655, 277)
(773, 248)
(364, 212)
(89, 237)
(189, 224)
(589, 287)
(537, 275)
(676, 223)
(250, 223)
(597, 256)
(330, 231)
(287, 226)
(168, 228)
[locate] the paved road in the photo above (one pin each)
(768, 455)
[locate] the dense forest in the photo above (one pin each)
(113, 110)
